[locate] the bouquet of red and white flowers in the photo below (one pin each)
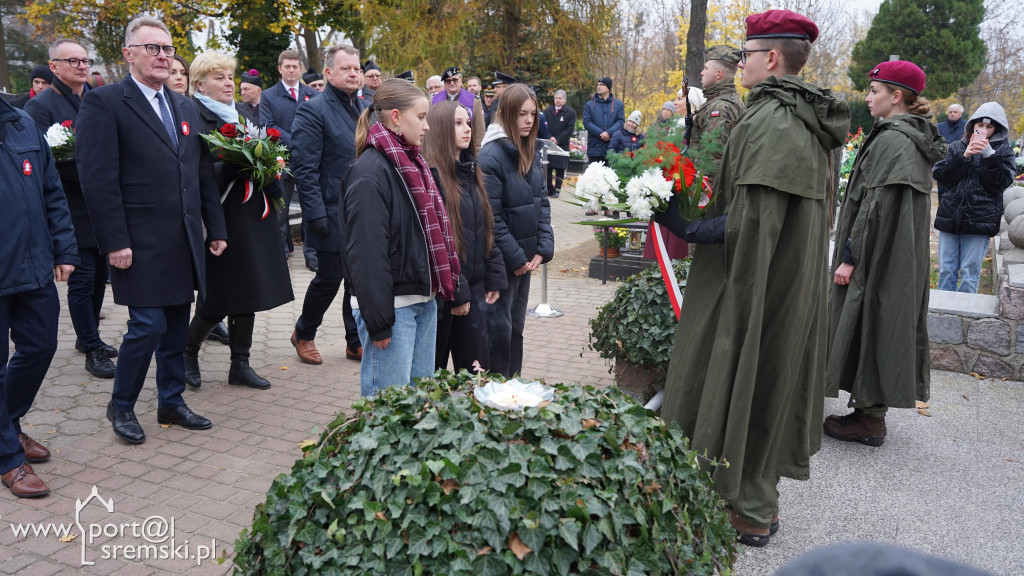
(259, 153)
(61, 139)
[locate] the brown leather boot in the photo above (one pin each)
(856, 427)
(746, 533)
(24, 483)
(34, 451)
(306, 350)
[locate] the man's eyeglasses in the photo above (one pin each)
(744, 53)
(451, 80)
(155, 49)
(76, 62)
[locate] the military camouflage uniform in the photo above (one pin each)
(723, 108)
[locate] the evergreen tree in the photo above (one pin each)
(940, 36)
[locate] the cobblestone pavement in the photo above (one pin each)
(949, 484)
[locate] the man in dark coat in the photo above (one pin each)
(372, 77)
(88, 284)
(603, 116)
(953, 128)
(561, 123)
(323, 138)
(41, 78)
(149, 185)
(38, 246)
(277, 110)
(251, 90)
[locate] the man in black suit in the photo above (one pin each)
(87, 285)
(323, 148)
(561, 123)
(277, 110)
(149, 186)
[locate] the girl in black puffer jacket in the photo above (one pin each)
(462, 323)
(522, 219)
(976, 170)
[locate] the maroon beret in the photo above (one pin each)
(780, 24)
(900, 73)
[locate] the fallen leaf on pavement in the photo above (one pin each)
(922, 408)
(1008, 459)
(307, 442)
(67, 538)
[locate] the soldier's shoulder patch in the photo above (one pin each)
(714, 113)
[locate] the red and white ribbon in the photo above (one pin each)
(675, 295)
(266, 207)
(248, 191)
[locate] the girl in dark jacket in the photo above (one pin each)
(248, 277)
(462, 323)
(522, 219)
(396, 239)
(976, 170)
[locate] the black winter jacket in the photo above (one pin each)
(972, 202)
(479, 268)
(522, 213)
(385, 249)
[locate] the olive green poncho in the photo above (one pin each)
(746, 380)
(878, 323)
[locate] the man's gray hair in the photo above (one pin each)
(142, 22)
(559, 93)
(955, 108)
(57, 44)
(332, 52)
(434, 77)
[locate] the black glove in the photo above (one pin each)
(319, 227)
(671, 218)
(706, 231)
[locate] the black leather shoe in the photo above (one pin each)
(193, 377)
(312, 264)
(98, 364)
(219, 333)
(109, 350)
(126, 426)
(183, 417)
(241, 374)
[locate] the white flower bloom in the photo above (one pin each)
(56, 135)
(598, 184)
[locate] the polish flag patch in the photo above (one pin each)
(26, 167)
(184, 128)
(714, 113)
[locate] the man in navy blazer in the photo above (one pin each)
(324, 147)
(149, 186)
(277, 110)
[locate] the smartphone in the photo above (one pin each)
(979, 134)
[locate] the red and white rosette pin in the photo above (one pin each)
(184, 128)
(26, 167)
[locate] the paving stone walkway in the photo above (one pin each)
(950, 484)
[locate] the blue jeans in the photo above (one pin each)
(960, 258)
(30, 318)
(409, 355)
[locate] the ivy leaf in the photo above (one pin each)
(569, 530)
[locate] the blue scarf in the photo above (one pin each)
(225, 112)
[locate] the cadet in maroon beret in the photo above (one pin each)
(744, 379)
(901, 73)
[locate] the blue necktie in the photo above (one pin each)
(165, 116)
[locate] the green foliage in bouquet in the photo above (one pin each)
(638, 325)
(664, 148)
(425, 480)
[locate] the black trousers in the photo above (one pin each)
(463, 337)
(555, 177)
(319, 296)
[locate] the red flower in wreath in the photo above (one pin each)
(229, 131)
(274, 134)
(66, 123)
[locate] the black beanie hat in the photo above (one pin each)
(43, 72)
(606, 81)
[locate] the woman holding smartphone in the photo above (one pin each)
(974, 174)
(878, 317)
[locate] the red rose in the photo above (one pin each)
(273, 134)
(229, 131)
(66, 123)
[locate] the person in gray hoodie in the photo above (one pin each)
(976, 170)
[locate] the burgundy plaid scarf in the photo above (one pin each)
(444, 262)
